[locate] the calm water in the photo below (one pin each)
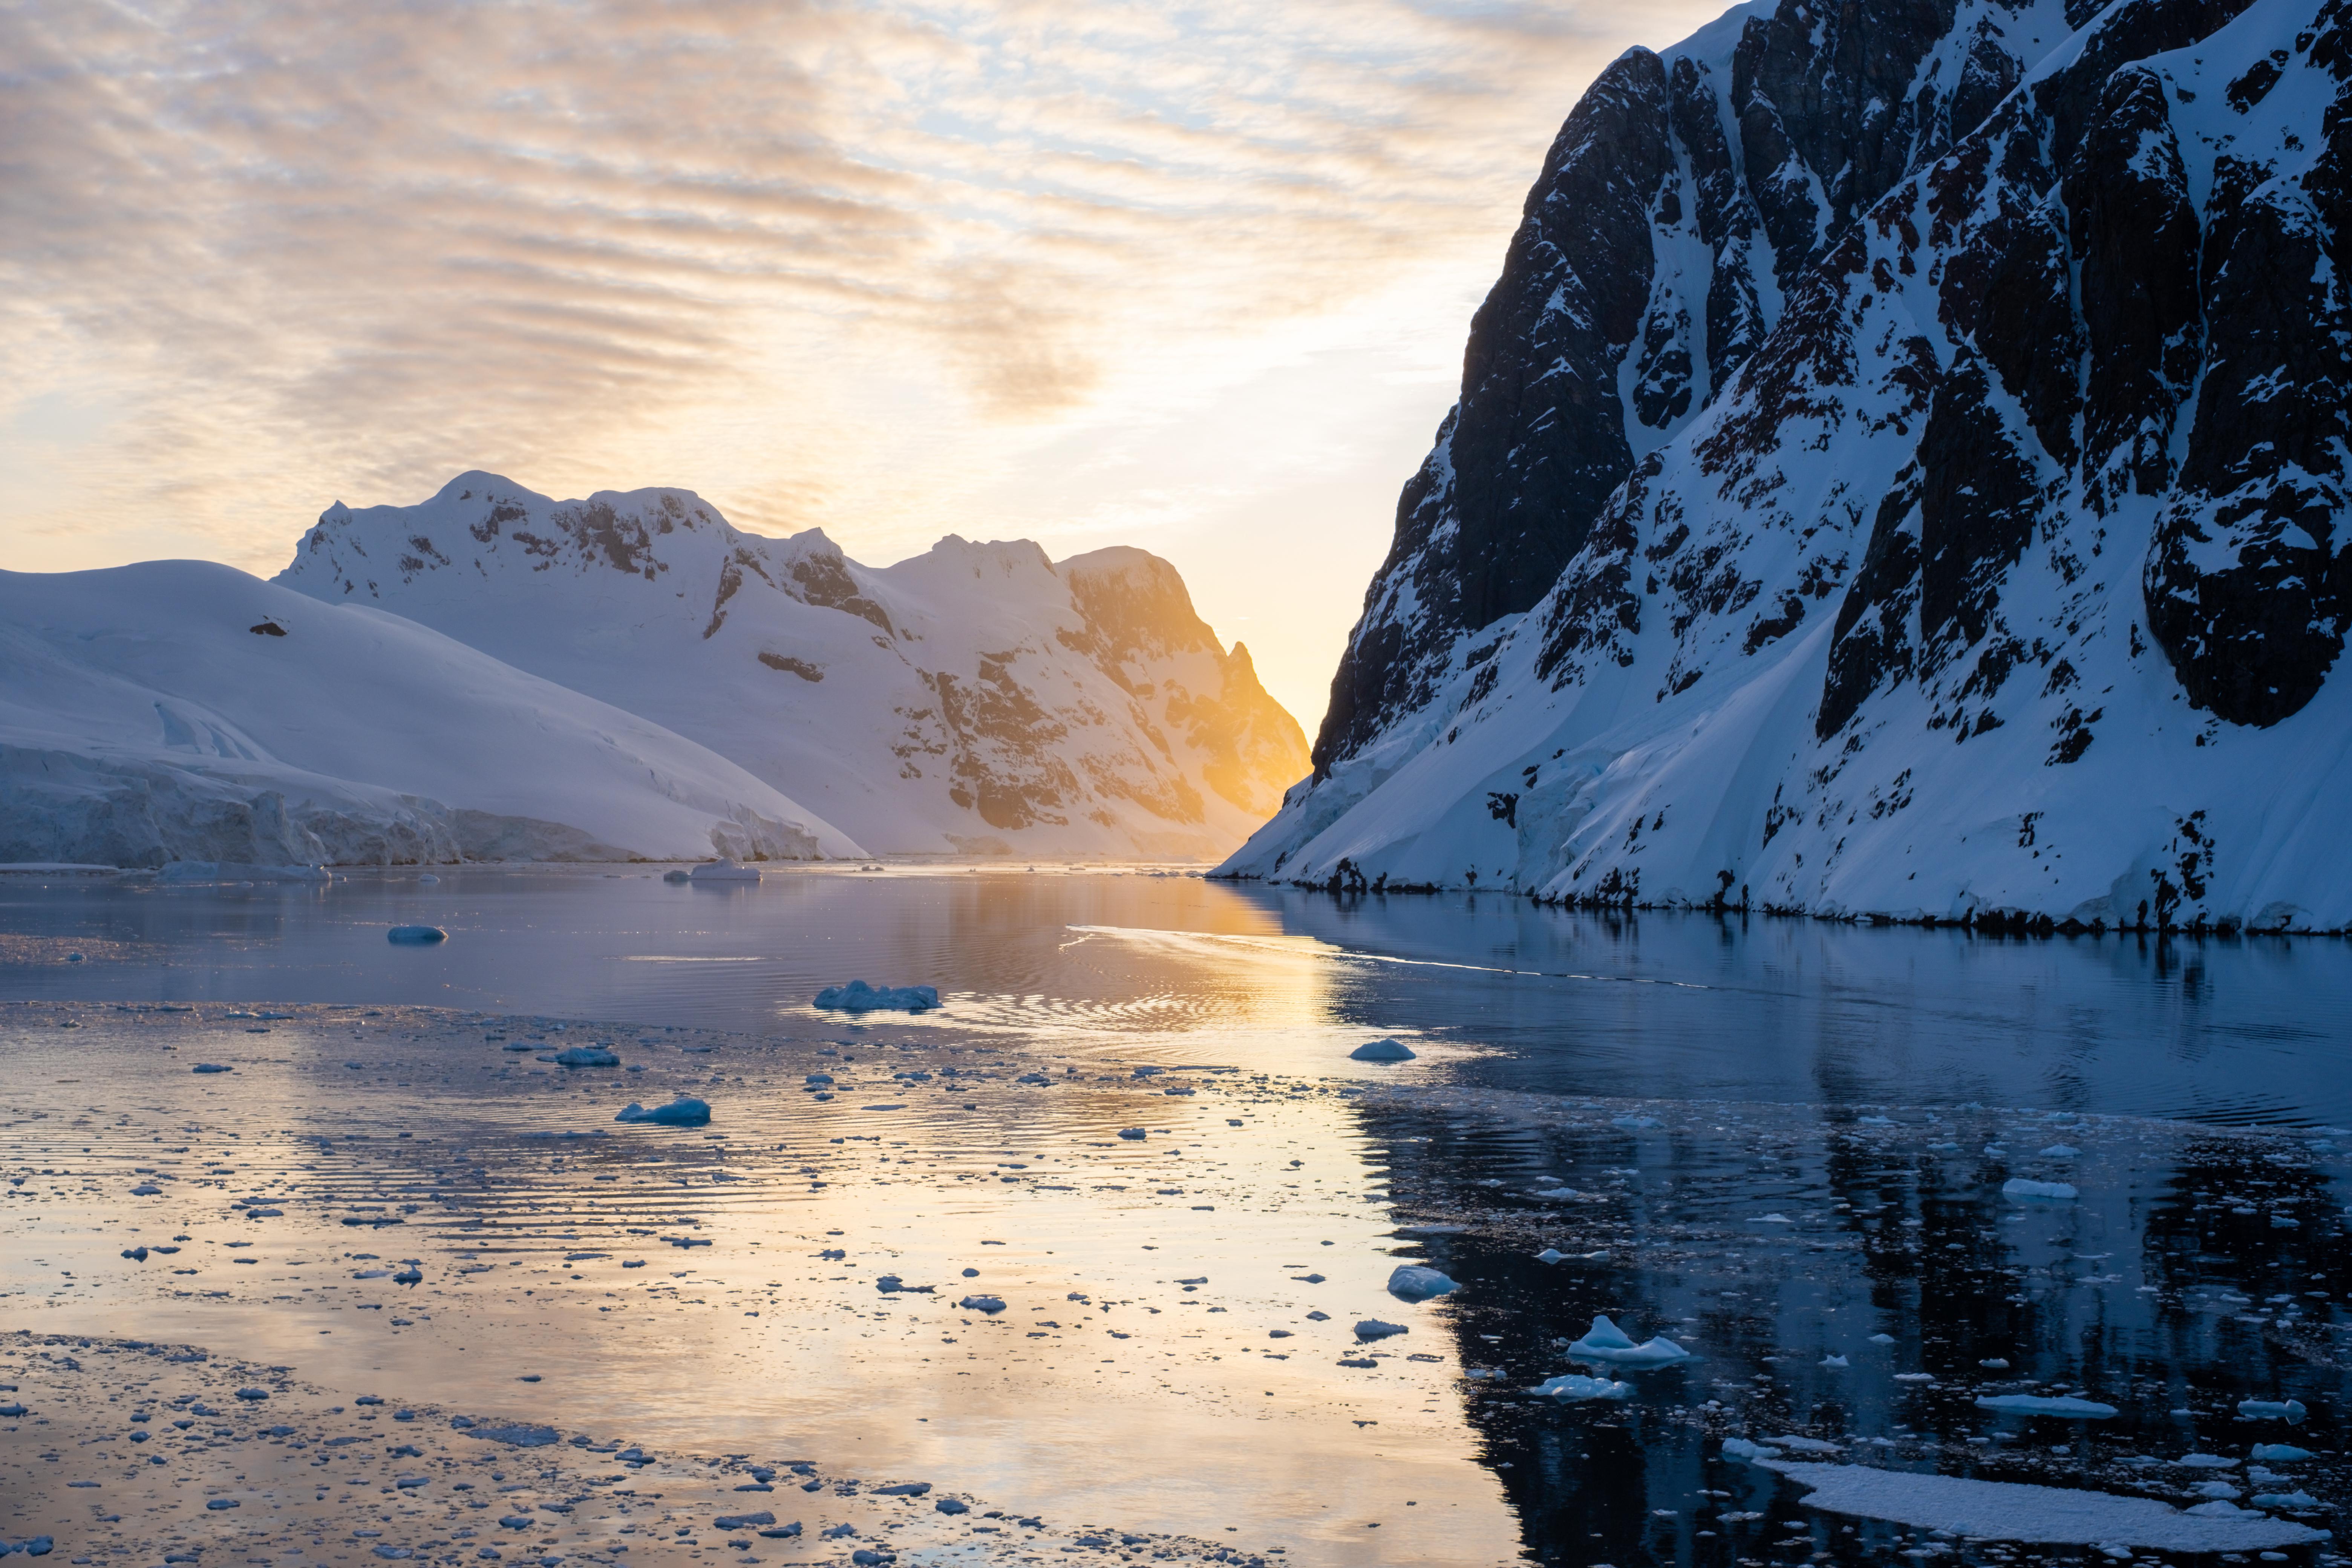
(1783, 1145)
(2235, 1031)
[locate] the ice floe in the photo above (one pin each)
(1575, 1385)
(2272, 1409)
(2018, 1187)
(1413, 1282)
(1608, 1342)
(2010, 1510)
(586, 1057)
(1382, 1051)
(2040, 1404)
(415, 936)
(723, 869)
(859, 997)
(684, 1111)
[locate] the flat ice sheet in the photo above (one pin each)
(2007, 1510)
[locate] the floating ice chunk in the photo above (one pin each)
(678, 874)
(904, 1488)
(586, 1057)
(1637, 1123)
(1132, 1135)
(1882, 1339)
(1805, 1444)
(1876, 1120)
(1995, 1364)
(1607, 1341)
(415, 936)
(859, 997)
(136, 1254)
(1834, 1362)
(145, 1190)
(1550, 1255)
(428, 880)
(1411, 1282)
(2279, 1453)
(239, 871)
(723, 869)
(515, 1436)
(1750, 1453)
(2059, 1152)
(253, 1395)
(2009, 1511)
(2222, 1490)
(2037, 1404)
(953, 1505)
(2289, 1410)
(2018, 1187)
(1769, 1219)
(2206, 1462)
(1373, 1328)
(684, 1111)
(212, 1066)
(990, 1305)
(742, 1521)
(1575, 1385)
(1382, 1051)
(891, 1285)
(2287, 1499)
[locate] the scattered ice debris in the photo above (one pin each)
(586, 1057)
(2040, 1404)
(1373, 1328)
(1606, 1342)
(2009, 1511)
(990, 1305)
(2279, 1453)
(1413, 1282)
(2289, 1410)
(684, 1111)
(723, 869)
(415, 936)
(1636, 1122)
(1382, 1051)
(859, 997)
(1575, 1385)
(1132, 1135)
(212, 1066)
(515, 1436)
(2018, 1187)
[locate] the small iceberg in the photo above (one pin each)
(1575, 1385)
(744, 1521)
(684, 1111)
(415, 936)
(1373, 1328)
(1606, 1342)
(859, 997)
(1413, 1282)
(2018, 1187)
(723, 870)
(1551, 1255)
(679, 874)
(1750, 1453)
(586, 1057)
(990, 1305)
(1382, 1051)
(2279, 1453)
(2037, 1405)
(2289, 1410)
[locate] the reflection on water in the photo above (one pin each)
(2246, 1030)
(1783, 1145)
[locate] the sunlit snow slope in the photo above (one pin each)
(184, 710)
(976, 698)
(1901, 471)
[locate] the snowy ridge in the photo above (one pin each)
(184, 710)
(2005, 577)
(976, 698)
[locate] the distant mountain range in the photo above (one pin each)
(492, 674)
(1901, 471)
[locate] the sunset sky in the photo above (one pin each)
(1189, 277)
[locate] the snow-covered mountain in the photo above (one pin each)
(184, 710)
(977, 698)
(1900, 470)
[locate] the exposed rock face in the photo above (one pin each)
(2005, 569)
(977, 698)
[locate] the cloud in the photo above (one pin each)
(830, 263)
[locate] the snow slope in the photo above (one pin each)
(2006, 575)
(147, 715)
(976, 698)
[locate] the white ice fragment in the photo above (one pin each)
(1606, 1342)
(2008, 1510)
(1575, 1385)
(1769, 1219)
(1882, 1339)
(1753, 1453)
(1411, 1282)
(1550, 1255)
(684, 1111)
(2279, 1453)
(723, 869)
(2018, 1187)
(1834, 1362)
(1382, 1051)
(2287, 1499)
(2059, 1152)
(586, 1057)
(2206, 1462)
(859, 997)
(2040, 1404)
(1805, 1444)
(2289, 1410)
